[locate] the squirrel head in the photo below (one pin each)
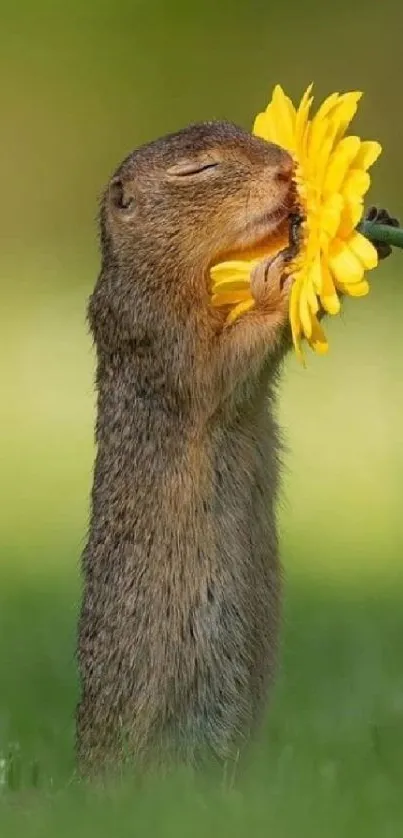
(180, 204)
(194, 196)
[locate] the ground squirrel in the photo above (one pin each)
(180, 617)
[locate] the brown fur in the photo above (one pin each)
(180, 617)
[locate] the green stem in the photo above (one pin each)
(382, 233)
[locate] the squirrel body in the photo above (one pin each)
(179, 624)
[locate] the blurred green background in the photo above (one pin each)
(82, 84)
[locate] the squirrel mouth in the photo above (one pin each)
(258, 230)
(268, 223)
(265, 226)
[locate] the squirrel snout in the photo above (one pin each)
(285, 168)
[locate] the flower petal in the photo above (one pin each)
(351, 215)
(230, 284)
(327, 105)
(226, 298)
(305, 312)
(301, 121)
(330, 214)
(312, 299)
(343, 155)
(271, 247)
(367, 155)
(329, 299)
(356, 184)
(239, 309)
(363, 249)
(266, 126)
(322, 159)
(344, 264)
(260, 126)
(314, 282)
(358, 289)
(294, 318)
(232, 271)
(344, 111)
(318, 340)
(285, 115)
(317, 134)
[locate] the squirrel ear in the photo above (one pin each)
(120, 196)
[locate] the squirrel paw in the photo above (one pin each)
(381, 216)
(270, 284)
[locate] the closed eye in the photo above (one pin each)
(192, 167)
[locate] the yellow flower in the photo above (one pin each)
(331, 181)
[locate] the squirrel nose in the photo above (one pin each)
(285, 168)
